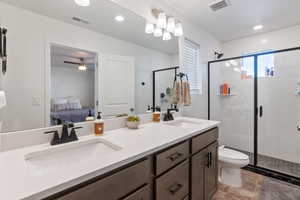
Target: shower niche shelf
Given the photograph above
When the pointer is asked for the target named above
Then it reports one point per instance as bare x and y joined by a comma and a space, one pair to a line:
226, 95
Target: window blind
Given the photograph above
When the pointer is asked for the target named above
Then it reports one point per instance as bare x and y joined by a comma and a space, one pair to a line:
191, 65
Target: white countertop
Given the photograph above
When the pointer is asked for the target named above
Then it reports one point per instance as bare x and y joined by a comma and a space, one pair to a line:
19, 180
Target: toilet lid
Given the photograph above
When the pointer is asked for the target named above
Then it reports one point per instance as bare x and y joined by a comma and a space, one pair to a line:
232, 154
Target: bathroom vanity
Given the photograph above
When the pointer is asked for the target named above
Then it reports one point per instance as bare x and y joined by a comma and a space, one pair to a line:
158, 161
186, 169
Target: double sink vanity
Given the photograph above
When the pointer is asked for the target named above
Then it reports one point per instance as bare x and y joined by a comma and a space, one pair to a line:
168, 160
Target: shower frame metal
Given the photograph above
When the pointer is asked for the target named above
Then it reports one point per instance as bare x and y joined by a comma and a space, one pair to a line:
154, 79
254, 167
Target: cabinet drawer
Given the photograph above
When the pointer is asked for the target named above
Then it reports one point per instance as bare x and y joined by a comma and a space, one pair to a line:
115, 186
171, 157
173, 185
204, 140
141, 194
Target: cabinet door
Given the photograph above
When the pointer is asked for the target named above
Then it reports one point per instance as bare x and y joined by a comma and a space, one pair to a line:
199, 163
211, 171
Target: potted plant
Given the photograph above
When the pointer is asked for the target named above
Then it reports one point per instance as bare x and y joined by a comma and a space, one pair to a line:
133, 121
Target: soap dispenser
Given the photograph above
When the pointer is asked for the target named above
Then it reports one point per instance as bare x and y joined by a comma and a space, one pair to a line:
89, 117
99, 125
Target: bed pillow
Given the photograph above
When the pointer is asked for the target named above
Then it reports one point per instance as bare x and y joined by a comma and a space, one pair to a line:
74, 103
59, 104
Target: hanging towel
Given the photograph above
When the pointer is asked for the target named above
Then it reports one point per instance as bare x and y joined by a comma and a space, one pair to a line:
186, 94
176, 93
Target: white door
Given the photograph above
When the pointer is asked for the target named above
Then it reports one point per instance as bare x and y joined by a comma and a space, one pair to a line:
116, 84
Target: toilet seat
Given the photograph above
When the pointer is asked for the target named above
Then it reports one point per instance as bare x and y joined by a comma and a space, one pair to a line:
232, 154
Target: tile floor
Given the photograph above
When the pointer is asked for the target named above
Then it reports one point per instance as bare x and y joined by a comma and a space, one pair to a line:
258, 187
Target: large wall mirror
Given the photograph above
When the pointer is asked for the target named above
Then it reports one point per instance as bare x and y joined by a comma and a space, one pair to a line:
65, 62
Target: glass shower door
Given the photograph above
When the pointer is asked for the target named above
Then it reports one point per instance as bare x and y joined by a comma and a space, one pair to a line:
232, 102
278, 98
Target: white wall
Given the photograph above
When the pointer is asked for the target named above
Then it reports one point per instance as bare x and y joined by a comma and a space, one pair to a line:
206, 41
208, 44
29, 38
275, 40
69, 81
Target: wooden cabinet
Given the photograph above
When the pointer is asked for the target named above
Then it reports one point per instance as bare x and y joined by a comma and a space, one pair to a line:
170, 174
174, 185
115, 186
205, 173
141, 194
171, 157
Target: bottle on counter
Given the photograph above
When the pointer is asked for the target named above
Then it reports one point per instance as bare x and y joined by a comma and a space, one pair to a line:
156, 115
99, 125
90, 117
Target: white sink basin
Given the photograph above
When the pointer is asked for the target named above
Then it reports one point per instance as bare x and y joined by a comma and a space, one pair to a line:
183, 123
66, 156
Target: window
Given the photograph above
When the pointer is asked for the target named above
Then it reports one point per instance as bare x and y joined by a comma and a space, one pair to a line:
265, 66
191, 65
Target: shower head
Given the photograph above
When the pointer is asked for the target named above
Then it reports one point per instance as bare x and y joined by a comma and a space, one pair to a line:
218, 55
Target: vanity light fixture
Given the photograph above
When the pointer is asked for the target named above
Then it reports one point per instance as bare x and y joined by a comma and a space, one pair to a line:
83, 2
167, 36
149, 28
162, 20
258, 27
158, 32
178, 30
119, 18
164, 26
171, 25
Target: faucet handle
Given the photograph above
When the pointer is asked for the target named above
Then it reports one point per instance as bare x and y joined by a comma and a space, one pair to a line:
73, 136
55, 140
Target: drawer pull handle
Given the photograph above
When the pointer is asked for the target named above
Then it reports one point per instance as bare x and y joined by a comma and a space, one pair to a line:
175, 188
209, 160
175, 156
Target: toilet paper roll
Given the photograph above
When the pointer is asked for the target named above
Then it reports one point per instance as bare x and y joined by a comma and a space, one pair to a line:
2, 99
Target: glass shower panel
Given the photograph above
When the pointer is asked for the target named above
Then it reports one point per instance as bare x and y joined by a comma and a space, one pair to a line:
279, 112
232, 102
164, 84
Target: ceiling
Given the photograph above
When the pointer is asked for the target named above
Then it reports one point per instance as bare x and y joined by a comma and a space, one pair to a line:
101, 15
237, 21
59, 54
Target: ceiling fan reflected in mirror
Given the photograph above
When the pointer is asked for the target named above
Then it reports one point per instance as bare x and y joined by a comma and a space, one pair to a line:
81, 65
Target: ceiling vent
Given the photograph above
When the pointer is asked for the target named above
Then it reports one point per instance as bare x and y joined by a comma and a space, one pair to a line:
77, 19
219, 4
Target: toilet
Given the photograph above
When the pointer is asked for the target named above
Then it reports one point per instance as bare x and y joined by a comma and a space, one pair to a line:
230, 164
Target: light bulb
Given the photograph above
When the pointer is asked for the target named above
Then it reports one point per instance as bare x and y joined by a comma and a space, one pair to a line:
162, 20
158, 32
119, 18
171, 25
82, 67
178, 30
149, 28
82, 2
167, 35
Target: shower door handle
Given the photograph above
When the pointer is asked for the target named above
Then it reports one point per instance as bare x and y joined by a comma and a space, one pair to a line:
261, 111
298, 128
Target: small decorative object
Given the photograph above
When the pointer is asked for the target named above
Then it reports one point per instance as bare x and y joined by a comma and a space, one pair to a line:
133, 121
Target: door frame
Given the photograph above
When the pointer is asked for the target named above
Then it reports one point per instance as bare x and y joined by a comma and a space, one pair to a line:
47, 75
254, 167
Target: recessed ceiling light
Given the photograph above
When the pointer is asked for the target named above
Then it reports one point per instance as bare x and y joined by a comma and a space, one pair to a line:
82, 2
119, 18
258, 27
